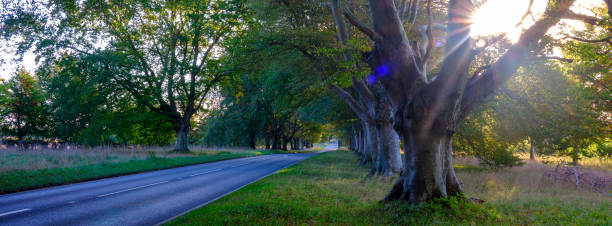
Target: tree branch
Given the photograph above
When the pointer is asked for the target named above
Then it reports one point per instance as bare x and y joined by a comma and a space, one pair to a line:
606, 39
445, 91
566, 60
414, 10
584, 18
363, 89
402, 8
359, 25
479, 89
350, 101
526, 13
609, 5
430, 38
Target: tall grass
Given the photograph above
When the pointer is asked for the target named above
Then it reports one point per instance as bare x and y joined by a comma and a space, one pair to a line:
73, 156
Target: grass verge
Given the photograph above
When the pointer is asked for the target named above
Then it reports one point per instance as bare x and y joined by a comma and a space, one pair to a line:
330, 189
20, 180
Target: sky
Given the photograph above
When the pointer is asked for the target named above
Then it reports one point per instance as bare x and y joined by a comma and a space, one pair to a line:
502, 16
494, 17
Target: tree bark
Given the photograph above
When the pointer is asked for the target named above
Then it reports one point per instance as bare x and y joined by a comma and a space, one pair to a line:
353, 140
181, 128
532, 149
252, 142
429, 170
389, 159
370, 143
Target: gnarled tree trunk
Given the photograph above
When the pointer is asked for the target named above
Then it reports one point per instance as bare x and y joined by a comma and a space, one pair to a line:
428, 171
182, 129
389, 158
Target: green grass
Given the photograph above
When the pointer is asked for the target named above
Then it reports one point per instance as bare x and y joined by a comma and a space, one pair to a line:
330, 189
13, 180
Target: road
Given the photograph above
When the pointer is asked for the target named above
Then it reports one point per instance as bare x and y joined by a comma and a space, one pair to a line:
140, 199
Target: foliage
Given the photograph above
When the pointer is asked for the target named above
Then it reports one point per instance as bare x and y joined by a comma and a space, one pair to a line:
273, 95
164, 54
543, 105
23, 109
91, 110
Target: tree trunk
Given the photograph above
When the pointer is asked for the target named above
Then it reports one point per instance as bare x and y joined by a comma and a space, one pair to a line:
389, 158
181, 128
284, 144
352, 142
252, 142
428, 171
276, 142
370, 143
20, 145
267, 140
532, 150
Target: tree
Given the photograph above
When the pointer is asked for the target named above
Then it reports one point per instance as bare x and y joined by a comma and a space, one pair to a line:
23, 107
164, 53
304, 30
428, 110
268, 98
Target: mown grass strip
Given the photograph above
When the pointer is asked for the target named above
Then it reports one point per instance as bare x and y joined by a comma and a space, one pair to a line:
20, 180
330, 189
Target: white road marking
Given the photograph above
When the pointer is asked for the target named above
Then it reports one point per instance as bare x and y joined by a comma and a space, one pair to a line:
193, 175
72, 202
130, 189
13, 212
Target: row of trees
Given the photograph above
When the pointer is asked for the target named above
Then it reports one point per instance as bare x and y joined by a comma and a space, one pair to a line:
267, 73
391, 74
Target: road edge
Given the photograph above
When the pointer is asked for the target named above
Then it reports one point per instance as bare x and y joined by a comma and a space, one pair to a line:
232, 191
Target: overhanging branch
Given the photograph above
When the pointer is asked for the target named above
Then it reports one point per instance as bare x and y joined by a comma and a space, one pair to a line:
606, 39
584, 18
360, 25
479, 89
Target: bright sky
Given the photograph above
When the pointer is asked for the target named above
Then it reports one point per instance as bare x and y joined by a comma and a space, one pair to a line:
9, 67
494, 17
501, 16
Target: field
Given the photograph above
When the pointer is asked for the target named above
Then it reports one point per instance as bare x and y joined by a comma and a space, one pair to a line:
23, 170
330, 189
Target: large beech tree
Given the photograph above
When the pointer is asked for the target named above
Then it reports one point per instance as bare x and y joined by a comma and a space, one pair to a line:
428, 108
161, 51
377, 140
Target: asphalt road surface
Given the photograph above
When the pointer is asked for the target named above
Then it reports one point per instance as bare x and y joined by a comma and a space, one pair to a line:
140, 199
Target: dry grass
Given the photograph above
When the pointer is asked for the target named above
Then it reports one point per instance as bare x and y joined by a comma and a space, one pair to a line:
525, 182
73, 156
524, 194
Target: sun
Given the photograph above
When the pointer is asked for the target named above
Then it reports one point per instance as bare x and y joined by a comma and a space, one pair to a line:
504, 16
